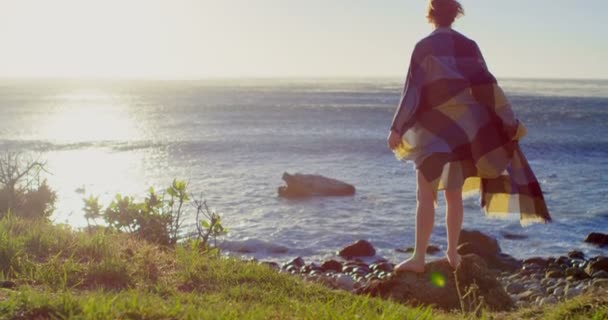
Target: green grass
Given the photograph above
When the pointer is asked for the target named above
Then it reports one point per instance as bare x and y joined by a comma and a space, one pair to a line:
66, 274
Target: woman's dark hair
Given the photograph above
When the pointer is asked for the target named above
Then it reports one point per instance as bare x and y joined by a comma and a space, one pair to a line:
443, 12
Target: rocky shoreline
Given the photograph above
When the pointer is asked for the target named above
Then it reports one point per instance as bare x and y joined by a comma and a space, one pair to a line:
501, 281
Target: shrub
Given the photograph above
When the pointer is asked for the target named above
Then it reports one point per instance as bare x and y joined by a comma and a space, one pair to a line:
158, 218
21, 190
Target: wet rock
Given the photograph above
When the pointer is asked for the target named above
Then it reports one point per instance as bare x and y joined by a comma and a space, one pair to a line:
295, 262
310, 268
513, 236
360, 248
576, 254
437, 286
331, 265
307, 185
381, 267
598, 239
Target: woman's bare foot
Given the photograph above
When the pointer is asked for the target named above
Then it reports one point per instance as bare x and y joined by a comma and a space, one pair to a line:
453, 258
412, 264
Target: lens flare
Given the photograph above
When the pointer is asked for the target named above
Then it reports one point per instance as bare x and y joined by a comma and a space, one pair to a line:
438, 280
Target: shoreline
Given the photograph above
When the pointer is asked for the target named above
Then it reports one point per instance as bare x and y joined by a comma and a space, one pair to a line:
536, 281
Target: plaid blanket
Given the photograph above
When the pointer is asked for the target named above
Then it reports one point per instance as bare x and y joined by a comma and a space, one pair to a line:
459, 129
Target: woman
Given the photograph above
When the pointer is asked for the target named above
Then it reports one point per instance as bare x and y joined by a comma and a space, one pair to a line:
456, 125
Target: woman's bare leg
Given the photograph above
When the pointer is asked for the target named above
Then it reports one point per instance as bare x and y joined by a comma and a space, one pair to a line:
425, 218
453, 223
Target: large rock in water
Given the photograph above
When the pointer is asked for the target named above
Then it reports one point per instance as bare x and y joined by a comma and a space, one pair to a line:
360, 248
437, 286
308, 185
598, 239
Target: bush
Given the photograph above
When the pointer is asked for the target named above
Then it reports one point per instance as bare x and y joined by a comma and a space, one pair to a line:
21, 190
158, 218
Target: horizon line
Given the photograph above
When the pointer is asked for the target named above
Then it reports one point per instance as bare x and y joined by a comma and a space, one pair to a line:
259, 78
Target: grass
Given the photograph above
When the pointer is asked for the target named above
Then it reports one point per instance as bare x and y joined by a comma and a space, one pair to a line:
62, 273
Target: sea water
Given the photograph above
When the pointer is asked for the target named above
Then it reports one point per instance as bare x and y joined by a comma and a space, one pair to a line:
231, 140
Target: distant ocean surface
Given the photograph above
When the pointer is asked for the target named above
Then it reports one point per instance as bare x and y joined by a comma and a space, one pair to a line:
233, 139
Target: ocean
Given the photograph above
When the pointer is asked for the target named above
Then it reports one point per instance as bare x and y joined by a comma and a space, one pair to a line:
231, 140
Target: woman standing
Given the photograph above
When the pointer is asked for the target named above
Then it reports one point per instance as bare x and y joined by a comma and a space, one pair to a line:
455, 123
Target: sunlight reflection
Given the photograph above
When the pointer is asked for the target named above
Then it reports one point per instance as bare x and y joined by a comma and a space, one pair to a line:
89, 116
77, 174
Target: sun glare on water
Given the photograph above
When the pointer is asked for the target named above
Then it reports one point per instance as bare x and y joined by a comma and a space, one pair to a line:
89, 116
87, 126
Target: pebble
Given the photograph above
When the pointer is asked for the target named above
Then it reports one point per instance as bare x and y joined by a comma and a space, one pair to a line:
345, 282
515, 288
559, 291
548, 300
572, 292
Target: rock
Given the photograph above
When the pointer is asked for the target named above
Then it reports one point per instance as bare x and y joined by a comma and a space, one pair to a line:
331, 265
515, 288
576, 273
576, 254
295, 262
548, 300
345, 282
498, 260
600, 275
559, 291
360, 248
437, 286
271, 265
597, 264
513, 236
528, 295
307, 185
598, 239
541, 262
572, 292
381, 267
600, 283
554, 274
483, 242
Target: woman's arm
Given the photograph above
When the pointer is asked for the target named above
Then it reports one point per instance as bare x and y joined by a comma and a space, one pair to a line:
410, 97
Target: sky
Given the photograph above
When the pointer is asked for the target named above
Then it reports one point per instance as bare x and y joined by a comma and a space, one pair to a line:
196, 39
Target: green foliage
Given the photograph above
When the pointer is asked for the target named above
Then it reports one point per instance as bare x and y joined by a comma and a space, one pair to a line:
158, 218
92, 209
21, 190
208, 224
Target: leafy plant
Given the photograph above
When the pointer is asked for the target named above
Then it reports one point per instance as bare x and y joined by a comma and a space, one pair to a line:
208, 223
158, 218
